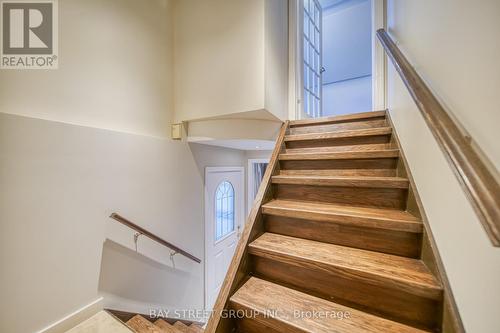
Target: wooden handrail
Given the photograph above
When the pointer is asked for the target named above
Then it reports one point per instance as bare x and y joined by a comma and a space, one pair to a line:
479, 183
152, 236
238, 268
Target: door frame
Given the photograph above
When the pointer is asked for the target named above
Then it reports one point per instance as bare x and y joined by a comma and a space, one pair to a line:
379, 61
295, 62
296, 83
241, 218
251, 180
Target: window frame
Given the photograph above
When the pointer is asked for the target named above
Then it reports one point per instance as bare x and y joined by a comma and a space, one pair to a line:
224, 236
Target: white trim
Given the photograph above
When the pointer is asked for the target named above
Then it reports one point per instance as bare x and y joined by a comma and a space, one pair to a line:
379, 61
299, 35
74, 318
312, 110
294, 63
251, 180
206, 210
320, 114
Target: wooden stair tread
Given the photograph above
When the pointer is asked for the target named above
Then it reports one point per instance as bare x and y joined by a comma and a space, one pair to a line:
343, 181
409, 275
181, 327
195, 328
141, 325
336, 119
330, 224
264, 297
339, 134
390, 219
166, 327
335, 155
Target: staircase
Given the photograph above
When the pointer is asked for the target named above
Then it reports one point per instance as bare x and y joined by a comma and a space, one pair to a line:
141, 325
336, 241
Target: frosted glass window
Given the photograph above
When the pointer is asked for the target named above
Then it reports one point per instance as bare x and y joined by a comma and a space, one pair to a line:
312, 58
224, 210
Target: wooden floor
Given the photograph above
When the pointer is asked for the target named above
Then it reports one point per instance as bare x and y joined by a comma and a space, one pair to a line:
336, 242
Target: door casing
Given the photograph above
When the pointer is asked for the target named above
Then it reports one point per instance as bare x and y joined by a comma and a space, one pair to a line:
296, 83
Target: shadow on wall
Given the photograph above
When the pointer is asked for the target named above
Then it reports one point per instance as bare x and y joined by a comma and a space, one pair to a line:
136, 281
203, 156
126, 274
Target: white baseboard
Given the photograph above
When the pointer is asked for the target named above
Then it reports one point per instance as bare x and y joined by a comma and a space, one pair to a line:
74, 318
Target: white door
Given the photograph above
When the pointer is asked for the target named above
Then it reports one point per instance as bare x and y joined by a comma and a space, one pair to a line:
311, 55
224, 216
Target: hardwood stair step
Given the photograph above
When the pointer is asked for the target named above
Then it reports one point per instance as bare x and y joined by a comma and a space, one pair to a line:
181, 327
377, 167
165, 326
263, 297
339, 134
380, 218
342, 181
336, 155
400, 243
141, 325
364, 194
336, 119
196, 328
335, 149
339, 126
408, 275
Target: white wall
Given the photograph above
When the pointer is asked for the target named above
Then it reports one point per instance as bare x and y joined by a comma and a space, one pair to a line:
230, 57
226, 129
115, 69
276, 58
347, 40
346, 97
219, 57
70, 154
450, 42
347, 58
59, 185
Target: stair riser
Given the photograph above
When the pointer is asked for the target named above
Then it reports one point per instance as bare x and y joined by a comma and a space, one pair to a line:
344, 155
349, 125
360, 148
350, 290
387, 241
254, 326
384, 167
339, 142
340, 118
363, 197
